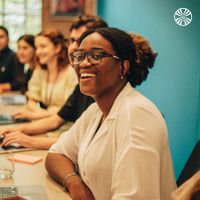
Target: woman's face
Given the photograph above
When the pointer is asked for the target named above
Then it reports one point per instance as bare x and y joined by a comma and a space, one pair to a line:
46, 51
25, 52
100, 79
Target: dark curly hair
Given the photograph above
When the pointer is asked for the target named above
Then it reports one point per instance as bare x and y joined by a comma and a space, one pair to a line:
90, 21
56, 37
145, 57
126, 49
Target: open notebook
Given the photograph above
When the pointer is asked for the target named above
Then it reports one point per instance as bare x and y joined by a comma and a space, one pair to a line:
28, 192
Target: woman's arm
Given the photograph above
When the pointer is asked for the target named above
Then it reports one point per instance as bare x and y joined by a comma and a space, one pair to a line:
28, 141
63, 172
37, 126
43, 125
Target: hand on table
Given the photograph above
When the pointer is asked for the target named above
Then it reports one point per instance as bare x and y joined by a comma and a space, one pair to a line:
78, 189
19, 138
24, 114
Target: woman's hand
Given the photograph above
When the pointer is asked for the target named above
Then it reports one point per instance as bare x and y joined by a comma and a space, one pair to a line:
78, 189
24, 114
18, 137
188, 190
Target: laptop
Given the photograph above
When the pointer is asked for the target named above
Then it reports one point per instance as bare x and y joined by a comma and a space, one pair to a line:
28, 192
13, 99
8, 119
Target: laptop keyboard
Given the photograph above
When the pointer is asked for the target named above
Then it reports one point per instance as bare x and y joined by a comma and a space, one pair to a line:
8, 191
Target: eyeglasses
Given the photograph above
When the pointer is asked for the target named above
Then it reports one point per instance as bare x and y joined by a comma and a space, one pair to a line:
94, 56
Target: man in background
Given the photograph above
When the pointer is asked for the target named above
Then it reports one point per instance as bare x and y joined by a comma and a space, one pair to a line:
8, 64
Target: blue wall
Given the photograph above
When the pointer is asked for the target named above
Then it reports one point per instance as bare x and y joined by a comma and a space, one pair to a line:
174, 82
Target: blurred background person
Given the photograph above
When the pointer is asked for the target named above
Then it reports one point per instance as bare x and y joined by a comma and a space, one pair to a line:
26, 56
53, 82
8, 64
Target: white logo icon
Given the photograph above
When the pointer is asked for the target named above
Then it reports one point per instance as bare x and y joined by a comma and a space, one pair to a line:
183, 16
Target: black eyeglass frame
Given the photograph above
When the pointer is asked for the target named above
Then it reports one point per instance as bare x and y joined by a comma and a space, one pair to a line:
103, 54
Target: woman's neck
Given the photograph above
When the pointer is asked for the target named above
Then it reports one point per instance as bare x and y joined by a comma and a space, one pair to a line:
33, 63
106, 101
52, 67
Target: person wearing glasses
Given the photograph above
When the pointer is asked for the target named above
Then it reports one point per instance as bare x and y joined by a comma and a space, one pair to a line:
118, 148
71, 110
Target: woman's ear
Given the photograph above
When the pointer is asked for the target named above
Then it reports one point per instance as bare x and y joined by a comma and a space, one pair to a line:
58, 48
126, 65
124, 68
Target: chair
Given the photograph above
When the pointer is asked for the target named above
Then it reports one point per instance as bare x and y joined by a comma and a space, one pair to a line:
192, 165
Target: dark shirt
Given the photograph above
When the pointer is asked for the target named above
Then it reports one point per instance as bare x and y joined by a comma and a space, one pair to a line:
75, 105
27, 77
8, 68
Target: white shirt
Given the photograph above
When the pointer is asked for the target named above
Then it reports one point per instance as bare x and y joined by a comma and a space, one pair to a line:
128, 157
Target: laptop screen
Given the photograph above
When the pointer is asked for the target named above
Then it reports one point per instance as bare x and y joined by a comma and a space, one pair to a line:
29, 192
13, 99
8, 119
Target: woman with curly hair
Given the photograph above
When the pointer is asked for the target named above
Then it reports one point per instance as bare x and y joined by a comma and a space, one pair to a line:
118, 148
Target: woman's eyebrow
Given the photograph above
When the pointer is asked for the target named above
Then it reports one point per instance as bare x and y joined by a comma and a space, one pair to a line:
96, 48
92, 49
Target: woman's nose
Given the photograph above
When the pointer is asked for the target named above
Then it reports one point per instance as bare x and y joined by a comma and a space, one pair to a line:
85, 62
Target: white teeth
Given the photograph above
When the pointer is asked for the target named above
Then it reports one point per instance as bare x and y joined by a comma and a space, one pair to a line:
84, 75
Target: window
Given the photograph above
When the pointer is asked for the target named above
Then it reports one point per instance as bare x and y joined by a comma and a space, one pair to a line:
20, 17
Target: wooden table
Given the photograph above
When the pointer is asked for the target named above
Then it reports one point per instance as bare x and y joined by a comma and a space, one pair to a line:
36, 174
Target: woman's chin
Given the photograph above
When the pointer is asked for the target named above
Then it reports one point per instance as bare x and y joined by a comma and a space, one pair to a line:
87, 91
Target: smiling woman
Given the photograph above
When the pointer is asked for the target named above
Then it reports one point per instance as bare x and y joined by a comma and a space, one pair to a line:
54, 77
124, 145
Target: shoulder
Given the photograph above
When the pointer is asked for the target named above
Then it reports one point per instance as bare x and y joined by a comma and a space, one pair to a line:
39, 70
11, 52
142, 120
39, 74
134, 101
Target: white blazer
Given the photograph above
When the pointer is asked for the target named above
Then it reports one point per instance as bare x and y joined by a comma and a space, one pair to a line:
128, 157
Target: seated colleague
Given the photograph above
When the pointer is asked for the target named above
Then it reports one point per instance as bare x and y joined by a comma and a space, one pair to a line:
120, 143
26, 56
53, 82
73, 107
190, 190
8, 64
